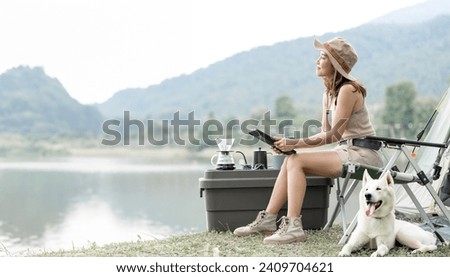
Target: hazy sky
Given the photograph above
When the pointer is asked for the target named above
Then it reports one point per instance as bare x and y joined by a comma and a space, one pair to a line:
96, 48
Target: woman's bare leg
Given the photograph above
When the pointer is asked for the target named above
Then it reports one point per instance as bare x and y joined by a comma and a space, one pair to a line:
279, 192
290, 185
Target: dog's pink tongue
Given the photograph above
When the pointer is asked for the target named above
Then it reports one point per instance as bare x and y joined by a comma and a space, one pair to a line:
370, 209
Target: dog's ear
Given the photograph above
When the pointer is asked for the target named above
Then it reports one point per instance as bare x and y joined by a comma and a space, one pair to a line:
389, 179
366, 177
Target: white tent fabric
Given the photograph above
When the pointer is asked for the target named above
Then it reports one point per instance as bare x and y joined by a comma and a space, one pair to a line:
426, 157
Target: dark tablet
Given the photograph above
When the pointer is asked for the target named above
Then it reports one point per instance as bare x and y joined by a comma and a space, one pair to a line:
268, 139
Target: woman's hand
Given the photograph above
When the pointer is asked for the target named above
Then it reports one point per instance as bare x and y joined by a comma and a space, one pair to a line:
284, 145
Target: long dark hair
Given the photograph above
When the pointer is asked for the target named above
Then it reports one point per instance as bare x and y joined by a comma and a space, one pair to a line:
333, 86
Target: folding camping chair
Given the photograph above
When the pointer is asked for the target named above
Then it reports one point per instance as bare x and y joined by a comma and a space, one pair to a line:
354, 172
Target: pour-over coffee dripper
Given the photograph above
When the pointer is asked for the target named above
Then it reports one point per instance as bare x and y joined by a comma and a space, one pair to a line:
225, 160
225, 143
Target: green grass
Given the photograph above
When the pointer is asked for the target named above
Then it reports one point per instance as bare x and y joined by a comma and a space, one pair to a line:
225, 244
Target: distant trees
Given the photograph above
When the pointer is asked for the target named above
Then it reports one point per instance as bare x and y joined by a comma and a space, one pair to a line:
398, 113
298, 122
404, 114
284, 108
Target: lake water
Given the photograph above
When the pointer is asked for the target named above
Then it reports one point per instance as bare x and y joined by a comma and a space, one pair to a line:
65, 203
69, 203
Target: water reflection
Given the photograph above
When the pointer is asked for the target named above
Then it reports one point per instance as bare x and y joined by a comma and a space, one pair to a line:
66, 203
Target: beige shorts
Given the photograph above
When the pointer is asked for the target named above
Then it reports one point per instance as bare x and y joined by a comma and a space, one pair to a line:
356, 154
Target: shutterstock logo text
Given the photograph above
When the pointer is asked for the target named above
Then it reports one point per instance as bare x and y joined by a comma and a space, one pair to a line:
184, 130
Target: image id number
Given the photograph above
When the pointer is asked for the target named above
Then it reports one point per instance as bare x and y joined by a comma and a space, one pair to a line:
295, 267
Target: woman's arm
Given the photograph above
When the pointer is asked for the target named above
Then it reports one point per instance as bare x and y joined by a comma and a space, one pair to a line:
325, 106
346, 103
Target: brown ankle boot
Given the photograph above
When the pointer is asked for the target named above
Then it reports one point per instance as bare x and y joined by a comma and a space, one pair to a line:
291, 230
264, 223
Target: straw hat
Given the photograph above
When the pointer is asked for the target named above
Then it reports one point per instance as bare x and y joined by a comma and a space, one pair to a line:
341, 54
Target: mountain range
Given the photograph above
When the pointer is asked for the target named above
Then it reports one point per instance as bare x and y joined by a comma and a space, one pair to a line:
390, 49
251, 80
415, 14
34, 103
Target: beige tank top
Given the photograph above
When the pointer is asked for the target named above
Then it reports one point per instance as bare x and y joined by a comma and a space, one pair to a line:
359, 124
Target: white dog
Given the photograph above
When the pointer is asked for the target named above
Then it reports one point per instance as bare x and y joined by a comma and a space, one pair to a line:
376, 220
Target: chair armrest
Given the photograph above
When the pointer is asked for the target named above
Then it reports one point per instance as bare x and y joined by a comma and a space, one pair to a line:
395, 141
